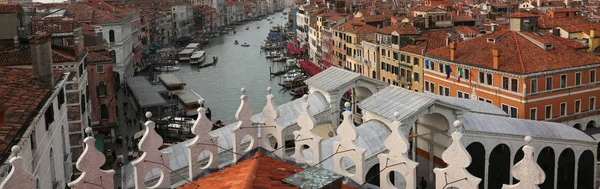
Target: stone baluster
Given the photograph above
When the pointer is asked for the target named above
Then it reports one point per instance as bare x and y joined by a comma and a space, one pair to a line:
527, 171
272, 127
202, 142
347, 147
458, 159
305, 137
151, 158
89, 164
396, 159
18, 177
243, 128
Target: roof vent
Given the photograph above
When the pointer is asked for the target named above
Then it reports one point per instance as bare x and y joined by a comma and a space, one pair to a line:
491, 40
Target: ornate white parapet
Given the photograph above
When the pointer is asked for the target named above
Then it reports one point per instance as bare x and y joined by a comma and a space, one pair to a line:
89, 164
272, 127
18, 177
458, 159
396, 159
202, 142
243, 128
305, 137
151, 158
527, 171
346, 147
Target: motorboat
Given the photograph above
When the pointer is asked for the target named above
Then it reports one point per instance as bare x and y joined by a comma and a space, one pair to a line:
236, 42
271, 22
224, 32
247, 28
245, 45
268, 19
198, 57
257, 27
167, 68
280, 59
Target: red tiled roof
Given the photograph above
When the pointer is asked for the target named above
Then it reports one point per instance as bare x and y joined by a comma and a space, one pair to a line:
564, 10
20, 98
4, 9
356, 26
518, 54
523, 15
97, 57
431, 40
400, 28
548, 22
258, 172
466, 30
22, 56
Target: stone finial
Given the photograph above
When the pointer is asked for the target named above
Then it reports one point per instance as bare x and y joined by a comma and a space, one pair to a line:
89, 164
201, 102
348, 132
527, 171
398, 145
243, 127
151, 158
18, 177
458, 159
272, 127
269, 90
306, 136
202, 142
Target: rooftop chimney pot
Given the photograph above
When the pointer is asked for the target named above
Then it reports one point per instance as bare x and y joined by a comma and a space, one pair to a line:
452, 50
41, 59
496, 55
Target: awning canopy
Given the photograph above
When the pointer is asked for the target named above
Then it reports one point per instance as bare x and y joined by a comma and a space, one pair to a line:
311, 68
159, 44
147, 52
292, 49
296, 41
326, 64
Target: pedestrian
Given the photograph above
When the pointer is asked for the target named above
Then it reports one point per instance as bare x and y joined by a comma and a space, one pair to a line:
423, 183
120, 141
132, 140
126, 140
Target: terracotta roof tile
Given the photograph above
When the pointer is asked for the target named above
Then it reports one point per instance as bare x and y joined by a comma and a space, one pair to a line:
523, 15
429, 40
574, 9
400, 28
546, 22
22, 55
20, 99
4, 9
258, 172
518, 54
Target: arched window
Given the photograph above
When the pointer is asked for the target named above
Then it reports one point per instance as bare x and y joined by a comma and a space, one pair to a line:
101, 87
111, 36
103, 112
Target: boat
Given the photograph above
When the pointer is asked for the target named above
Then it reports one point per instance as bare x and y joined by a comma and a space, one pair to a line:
247, 28
224, 32
271, 22
236, 42
280, 59
167, 68
186, 54
284, 13
214, 63
299, 91
197, 58
245, 45
257, 27
273, 55
268, 19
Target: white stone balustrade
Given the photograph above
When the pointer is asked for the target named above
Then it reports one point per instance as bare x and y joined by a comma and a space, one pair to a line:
458, 159
396, 159
151, 158
306, 137
89, 164
244, 128
203, 141
272, 127
18, 177
527, 171
347, 147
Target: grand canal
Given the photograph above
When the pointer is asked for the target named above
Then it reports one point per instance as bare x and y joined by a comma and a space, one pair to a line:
237, 67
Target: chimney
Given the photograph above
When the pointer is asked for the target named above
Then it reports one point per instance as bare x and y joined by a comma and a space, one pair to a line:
16, 41
495, 55
539, 3
592, 32
493, 27
447, 40
41, 59
452, 50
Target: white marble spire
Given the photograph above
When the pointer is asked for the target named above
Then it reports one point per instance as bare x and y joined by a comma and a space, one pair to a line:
243, 128
347, 147
527, 171
89, 164
151, 158
396, 159
458, 159
203, 141
18, 177
272, 127
306, 136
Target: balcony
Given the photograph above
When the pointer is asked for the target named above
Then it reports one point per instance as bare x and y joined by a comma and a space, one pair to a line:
404, 80
358, 58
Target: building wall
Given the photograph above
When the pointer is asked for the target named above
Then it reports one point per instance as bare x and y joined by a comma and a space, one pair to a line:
122, 47
107, 77
11, 25
371, 54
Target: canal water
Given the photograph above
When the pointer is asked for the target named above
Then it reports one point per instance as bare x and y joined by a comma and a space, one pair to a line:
237, 67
